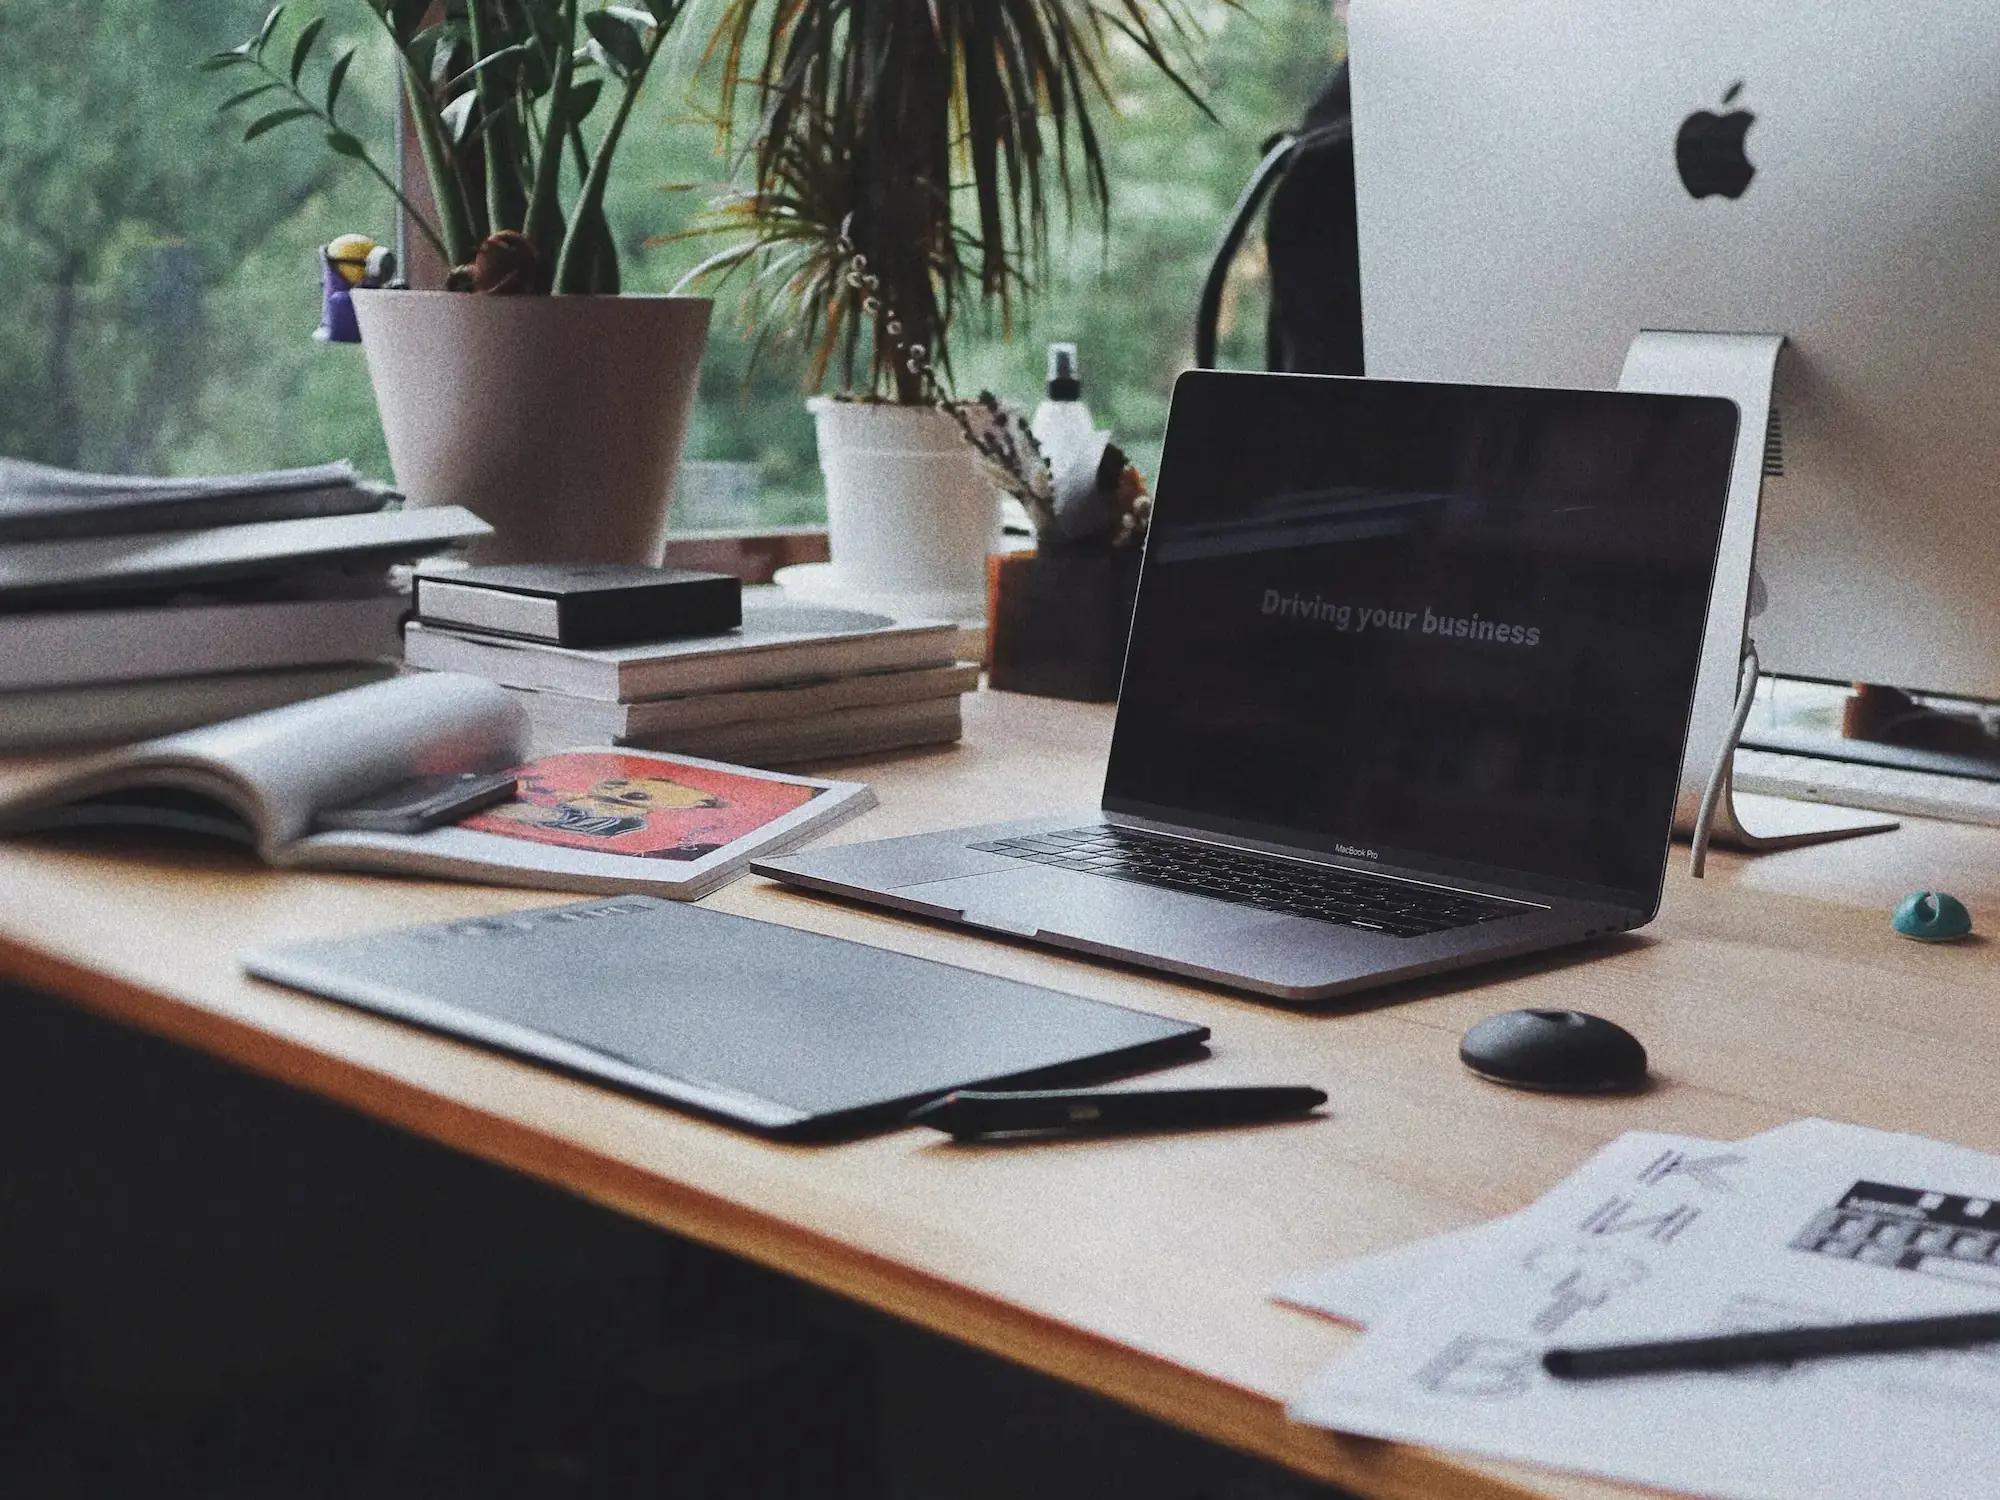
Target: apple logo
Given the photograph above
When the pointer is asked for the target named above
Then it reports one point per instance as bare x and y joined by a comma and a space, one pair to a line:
1709, 150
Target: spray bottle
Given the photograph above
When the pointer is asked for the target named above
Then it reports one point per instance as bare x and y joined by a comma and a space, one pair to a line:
1062, 424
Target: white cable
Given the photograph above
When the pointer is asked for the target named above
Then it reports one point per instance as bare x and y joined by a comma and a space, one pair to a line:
1746, 694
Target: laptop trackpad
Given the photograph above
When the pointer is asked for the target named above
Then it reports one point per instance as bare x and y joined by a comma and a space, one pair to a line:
1034, 899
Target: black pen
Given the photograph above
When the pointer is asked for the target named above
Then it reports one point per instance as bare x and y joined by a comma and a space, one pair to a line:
970, 1113
1766, 1345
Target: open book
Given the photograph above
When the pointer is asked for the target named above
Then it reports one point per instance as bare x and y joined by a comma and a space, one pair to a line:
582, 820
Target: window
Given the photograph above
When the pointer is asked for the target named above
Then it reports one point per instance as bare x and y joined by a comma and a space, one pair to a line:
163, 283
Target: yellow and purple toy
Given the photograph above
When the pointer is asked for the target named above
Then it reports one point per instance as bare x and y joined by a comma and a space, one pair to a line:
348, 262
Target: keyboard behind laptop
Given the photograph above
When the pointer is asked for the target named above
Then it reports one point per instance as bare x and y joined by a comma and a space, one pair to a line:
1914, 793
1375, 903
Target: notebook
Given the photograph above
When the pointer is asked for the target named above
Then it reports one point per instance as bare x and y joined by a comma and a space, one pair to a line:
790, 1033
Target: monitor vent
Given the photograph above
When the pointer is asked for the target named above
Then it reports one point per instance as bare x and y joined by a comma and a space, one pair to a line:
1774, 446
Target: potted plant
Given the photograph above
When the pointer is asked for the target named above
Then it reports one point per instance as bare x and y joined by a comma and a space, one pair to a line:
528, 390
906, 157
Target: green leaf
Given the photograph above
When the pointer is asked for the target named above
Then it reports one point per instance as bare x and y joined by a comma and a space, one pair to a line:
617, 42
422, 49
492, 59
488, 121
442, 52
336, 76
645, 20
273, 120
342, 144
537, 75
583, 97
664, 11
243, 98
220, 61
457, 116
270, 25
302, 48
405, 16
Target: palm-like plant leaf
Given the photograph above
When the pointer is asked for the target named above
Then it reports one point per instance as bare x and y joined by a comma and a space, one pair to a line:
875, 118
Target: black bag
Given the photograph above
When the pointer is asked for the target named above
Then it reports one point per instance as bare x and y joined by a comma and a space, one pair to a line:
1311, 240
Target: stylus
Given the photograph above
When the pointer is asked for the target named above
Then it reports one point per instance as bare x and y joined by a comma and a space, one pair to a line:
969, 1113
1764, 1346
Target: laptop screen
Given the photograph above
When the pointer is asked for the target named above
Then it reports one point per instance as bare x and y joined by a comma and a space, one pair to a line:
1453, 627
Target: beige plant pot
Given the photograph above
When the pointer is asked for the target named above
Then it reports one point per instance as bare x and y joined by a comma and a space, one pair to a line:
558, 420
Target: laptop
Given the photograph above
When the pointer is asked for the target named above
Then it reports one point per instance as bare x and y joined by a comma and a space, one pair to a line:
1407, 690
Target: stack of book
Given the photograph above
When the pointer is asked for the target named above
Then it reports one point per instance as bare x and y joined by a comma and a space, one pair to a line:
790, 683
131, 607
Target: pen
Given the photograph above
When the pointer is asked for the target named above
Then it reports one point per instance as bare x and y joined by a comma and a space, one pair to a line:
969, 1113
1727, 1350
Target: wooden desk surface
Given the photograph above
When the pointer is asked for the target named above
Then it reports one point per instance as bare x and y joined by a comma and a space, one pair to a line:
1135, 1268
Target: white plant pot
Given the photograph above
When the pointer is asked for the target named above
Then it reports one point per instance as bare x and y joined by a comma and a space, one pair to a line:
909, 508
558, 420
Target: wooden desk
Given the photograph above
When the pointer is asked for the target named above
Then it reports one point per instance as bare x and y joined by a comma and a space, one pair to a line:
1135, 1268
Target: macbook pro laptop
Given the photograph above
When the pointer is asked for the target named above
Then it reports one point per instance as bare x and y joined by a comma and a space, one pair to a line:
1407, 689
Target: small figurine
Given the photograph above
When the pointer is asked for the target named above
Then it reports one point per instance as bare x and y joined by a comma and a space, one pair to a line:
350, 261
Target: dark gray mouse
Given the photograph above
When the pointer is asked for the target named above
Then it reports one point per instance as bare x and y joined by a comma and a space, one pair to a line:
1562, 1051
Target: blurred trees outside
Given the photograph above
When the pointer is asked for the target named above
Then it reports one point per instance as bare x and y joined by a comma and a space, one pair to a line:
164, 283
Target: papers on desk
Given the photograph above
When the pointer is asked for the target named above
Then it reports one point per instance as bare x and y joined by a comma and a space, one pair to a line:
1663, 1236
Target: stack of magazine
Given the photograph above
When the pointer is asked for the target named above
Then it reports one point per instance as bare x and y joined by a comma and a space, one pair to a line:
133, 606
793, 683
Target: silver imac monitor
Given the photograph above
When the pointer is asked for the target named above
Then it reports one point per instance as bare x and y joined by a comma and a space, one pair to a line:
1539, 180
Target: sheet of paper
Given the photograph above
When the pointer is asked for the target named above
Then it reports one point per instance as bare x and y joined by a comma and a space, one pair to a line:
1366, 1288
1663, 1237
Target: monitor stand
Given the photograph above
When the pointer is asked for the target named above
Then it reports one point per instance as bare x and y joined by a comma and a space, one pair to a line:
1742, 367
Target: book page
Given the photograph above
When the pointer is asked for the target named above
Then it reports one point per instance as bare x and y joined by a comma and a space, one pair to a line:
276, 770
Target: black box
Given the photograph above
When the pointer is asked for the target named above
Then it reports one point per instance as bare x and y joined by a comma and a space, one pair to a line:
581, 604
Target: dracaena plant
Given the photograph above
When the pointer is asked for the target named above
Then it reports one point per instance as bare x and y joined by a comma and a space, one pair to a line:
507, 99
905, 158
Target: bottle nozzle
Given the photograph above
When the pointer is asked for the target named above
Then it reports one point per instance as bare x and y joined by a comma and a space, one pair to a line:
1064, 382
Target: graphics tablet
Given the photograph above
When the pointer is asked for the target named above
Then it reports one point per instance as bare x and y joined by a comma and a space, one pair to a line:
788, 1032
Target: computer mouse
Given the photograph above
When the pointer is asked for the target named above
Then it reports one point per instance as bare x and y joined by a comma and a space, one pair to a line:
1561, 1051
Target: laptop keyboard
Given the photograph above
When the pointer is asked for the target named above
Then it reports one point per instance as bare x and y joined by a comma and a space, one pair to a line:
1395, 907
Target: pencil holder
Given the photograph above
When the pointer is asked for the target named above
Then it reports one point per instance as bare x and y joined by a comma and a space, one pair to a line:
1059, 621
